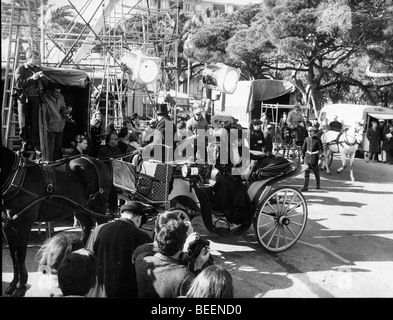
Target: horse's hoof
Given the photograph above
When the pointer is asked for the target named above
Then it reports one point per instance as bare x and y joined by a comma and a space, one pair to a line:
10, 290
20, 292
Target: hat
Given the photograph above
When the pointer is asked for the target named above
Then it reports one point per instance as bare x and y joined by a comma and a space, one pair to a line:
311, 128
162, 109
381, 120
136, 207
256, 122
135, 115
197, 111
269, 126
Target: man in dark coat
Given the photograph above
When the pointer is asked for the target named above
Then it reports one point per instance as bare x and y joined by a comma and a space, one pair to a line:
312, 149
113, 245
163, 135
257, 139
30, 83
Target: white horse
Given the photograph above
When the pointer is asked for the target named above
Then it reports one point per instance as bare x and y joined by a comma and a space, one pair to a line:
346, 145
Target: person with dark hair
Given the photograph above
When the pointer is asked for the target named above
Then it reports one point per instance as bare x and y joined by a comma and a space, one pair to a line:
96, 129
77, 273
124, 143
81, 146
113, 245
213, 282
30, 83
52, 252
162, 219
162, 275
336, 125
111, 147
257, 138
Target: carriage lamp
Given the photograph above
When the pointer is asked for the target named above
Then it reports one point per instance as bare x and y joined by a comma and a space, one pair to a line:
192, 170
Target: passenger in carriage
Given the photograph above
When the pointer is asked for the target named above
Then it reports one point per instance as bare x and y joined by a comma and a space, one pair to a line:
96, 131
111, 148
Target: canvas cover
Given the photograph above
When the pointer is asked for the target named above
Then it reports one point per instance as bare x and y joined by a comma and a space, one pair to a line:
67, 77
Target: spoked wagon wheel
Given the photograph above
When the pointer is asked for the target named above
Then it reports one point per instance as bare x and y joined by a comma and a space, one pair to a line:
281, 219
185, 203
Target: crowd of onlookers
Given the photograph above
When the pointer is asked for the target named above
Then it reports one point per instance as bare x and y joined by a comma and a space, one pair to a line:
122, 260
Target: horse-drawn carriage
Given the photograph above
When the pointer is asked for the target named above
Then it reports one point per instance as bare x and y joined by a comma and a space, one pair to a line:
229, 201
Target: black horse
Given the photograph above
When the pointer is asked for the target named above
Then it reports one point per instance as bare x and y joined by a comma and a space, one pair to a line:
34, 192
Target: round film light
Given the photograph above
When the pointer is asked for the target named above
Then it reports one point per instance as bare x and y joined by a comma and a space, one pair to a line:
230, 81
148, 71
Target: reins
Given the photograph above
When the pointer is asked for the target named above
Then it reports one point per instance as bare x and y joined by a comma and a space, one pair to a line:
16, 180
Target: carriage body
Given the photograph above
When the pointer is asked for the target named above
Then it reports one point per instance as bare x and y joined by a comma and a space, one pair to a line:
159, 186
278, 213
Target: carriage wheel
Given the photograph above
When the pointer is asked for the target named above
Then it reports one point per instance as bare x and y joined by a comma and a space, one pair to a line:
181, 214
187, 204
281, 219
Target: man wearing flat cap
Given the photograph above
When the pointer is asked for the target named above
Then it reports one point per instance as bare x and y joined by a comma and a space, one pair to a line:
113, 244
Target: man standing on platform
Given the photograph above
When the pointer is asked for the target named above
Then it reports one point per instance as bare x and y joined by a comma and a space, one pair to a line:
30, 84
56, 112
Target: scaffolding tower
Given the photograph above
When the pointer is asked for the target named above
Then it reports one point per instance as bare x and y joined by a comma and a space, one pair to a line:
123, 26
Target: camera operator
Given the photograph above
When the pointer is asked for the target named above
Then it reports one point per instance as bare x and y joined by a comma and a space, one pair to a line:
30, 85
163, 275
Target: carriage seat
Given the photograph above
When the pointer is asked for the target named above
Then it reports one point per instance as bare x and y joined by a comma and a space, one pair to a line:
270, 167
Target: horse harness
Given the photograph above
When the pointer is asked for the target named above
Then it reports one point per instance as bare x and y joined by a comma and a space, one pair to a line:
14, 185
340, 143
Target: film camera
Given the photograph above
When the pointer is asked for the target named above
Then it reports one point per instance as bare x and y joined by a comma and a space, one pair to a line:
195, 247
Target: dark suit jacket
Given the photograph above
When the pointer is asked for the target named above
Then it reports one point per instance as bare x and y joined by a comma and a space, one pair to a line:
113, 247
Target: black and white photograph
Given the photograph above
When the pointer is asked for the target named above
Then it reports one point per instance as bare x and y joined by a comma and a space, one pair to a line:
159, 151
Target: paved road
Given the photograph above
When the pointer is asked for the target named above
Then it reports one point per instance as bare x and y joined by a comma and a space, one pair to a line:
345, 250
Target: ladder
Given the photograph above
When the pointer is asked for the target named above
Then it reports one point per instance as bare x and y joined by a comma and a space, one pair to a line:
23, 29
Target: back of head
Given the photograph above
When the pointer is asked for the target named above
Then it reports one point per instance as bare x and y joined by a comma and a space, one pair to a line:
213, 282
162, 220
123, 132
56, 248
171, 237
77, 273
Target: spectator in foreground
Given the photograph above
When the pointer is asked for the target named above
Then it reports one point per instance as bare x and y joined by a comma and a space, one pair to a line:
53, 251
113, 244
77, 273
163, 275
213, 282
